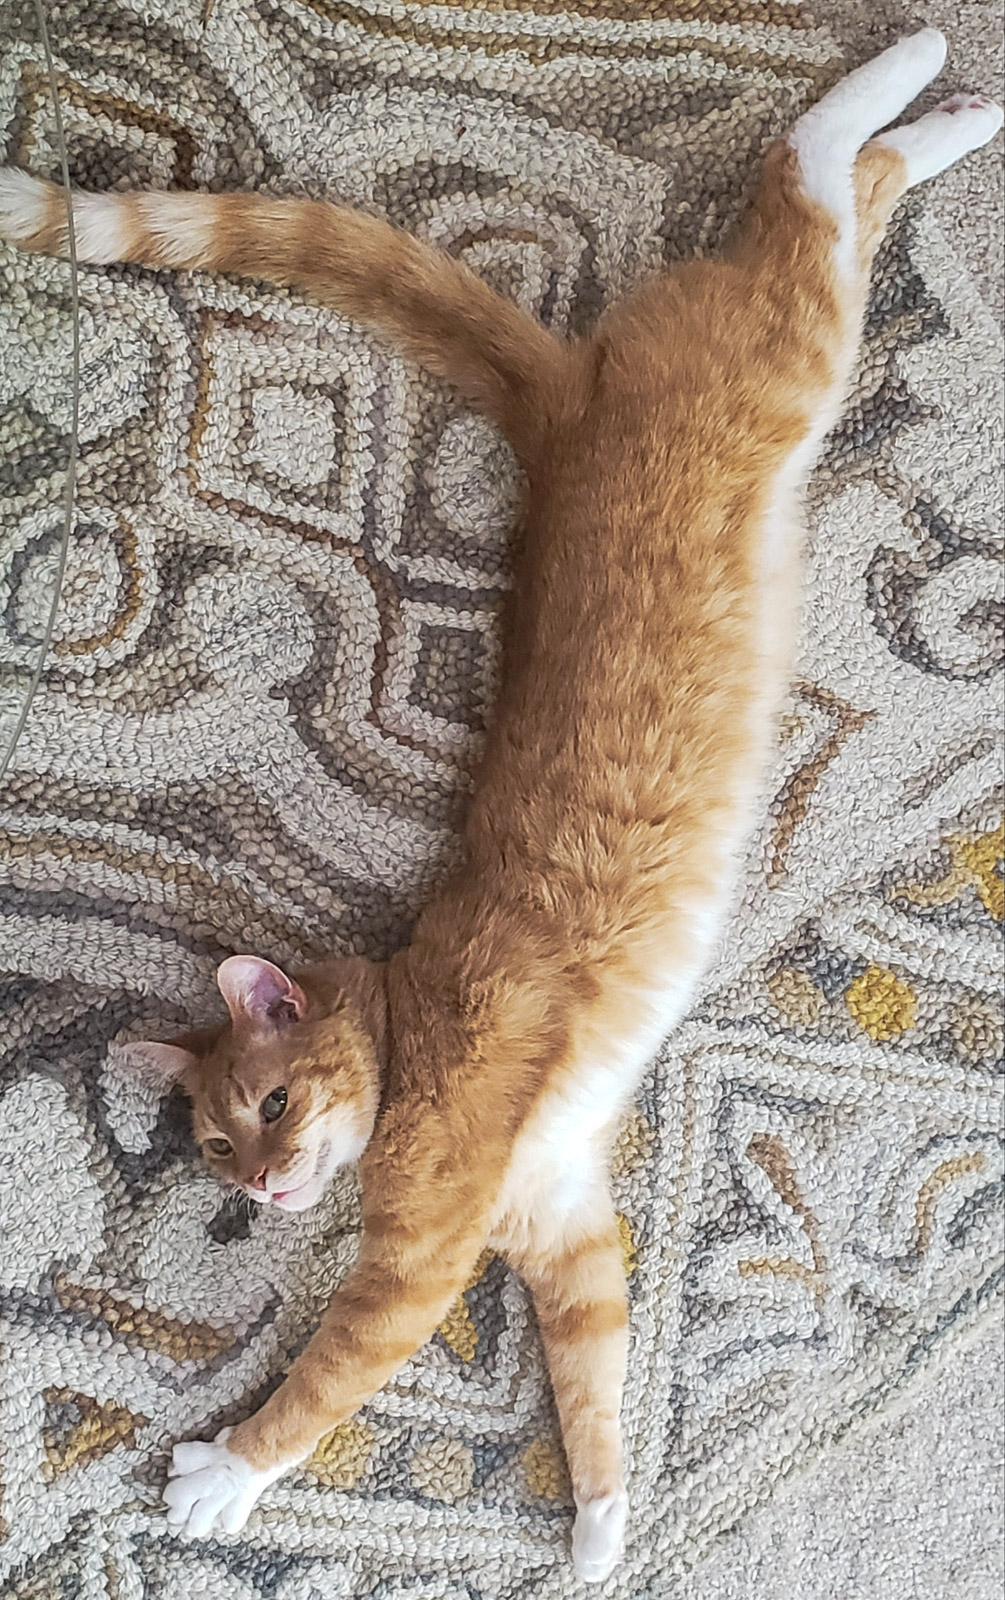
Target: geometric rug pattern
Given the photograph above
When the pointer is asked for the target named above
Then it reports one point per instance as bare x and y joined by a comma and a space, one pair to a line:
274, 658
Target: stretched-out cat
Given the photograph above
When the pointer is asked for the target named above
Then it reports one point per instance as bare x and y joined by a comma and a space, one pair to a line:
479, 1074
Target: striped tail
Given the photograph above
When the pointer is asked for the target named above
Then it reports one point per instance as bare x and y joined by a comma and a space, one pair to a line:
436, 311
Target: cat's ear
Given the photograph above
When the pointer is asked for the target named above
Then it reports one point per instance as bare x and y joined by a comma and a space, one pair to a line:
160, 1064
258, 993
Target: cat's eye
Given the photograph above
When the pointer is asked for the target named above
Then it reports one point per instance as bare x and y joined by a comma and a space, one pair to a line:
274, 1105
219, 1147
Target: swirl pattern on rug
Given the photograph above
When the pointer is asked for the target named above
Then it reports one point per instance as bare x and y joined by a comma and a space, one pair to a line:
274, 658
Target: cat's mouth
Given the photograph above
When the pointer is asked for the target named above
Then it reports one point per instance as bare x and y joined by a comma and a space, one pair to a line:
281, 1195
299, 1196
335, 1151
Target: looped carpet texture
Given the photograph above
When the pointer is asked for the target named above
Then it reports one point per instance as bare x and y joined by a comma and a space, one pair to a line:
273, 661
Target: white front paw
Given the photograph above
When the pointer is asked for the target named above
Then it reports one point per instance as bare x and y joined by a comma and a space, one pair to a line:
211, 1487
598, 1535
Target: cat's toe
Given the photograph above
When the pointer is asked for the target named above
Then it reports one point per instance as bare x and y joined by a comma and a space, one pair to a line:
190, 1456
982, 114
194, 1499
598, 1536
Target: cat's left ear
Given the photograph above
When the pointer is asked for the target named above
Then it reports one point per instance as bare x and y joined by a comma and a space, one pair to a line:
161, 1064
258, 993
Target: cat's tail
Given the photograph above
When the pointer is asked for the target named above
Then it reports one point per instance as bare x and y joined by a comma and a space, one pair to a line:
443, 316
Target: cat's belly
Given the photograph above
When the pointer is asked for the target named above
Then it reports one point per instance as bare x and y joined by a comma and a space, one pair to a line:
558, 1169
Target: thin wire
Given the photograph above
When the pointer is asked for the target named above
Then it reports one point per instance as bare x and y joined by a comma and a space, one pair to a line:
71, 464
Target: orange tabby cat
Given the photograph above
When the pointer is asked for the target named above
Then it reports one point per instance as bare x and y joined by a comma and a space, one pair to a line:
479, 1074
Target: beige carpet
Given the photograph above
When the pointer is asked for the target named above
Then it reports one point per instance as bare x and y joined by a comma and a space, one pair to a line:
909, 1510
272, 663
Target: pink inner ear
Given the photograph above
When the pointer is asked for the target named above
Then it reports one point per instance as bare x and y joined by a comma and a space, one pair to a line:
258, 992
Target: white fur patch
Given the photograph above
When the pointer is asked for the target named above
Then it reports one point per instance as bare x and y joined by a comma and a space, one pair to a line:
598, 1536
99, 234
24, 204
211, 1487
945, 135
826, 176
780, 533
183, 226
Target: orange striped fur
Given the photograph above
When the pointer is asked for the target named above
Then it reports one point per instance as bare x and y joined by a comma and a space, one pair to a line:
484, 1067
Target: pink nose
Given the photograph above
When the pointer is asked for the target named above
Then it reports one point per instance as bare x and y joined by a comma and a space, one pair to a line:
258, 1182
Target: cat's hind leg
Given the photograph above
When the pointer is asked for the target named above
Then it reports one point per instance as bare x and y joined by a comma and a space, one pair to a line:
895, 161
827, 138
577, 1278
958, 125
826, 195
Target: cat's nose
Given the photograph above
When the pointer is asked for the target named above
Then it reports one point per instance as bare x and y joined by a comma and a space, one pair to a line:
258, 1182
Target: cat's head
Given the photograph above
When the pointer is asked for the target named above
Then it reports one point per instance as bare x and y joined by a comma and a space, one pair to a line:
286, 1091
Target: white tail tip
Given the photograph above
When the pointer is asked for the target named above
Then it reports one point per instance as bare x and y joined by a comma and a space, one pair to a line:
24, 205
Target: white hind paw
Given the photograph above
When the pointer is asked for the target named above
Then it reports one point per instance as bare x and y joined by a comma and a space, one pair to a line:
874, 93
920, 53
960, 124
981, 116
598, 1536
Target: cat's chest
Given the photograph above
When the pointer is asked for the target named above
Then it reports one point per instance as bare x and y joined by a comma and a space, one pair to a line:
558, 1164
560, 1153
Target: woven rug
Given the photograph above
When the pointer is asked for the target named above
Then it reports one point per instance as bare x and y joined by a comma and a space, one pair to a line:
273, 660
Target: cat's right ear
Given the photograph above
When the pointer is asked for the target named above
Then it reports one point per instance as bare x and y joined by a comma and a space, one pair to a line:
259, 994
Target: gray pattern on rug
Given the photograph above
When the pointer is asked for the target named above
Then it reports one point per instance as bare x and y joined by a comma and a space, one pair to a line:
274, 657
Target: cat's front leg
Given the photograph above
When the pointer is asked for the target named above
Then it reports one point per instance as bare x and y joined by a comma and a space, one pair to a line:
388, 1307
575, 1271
